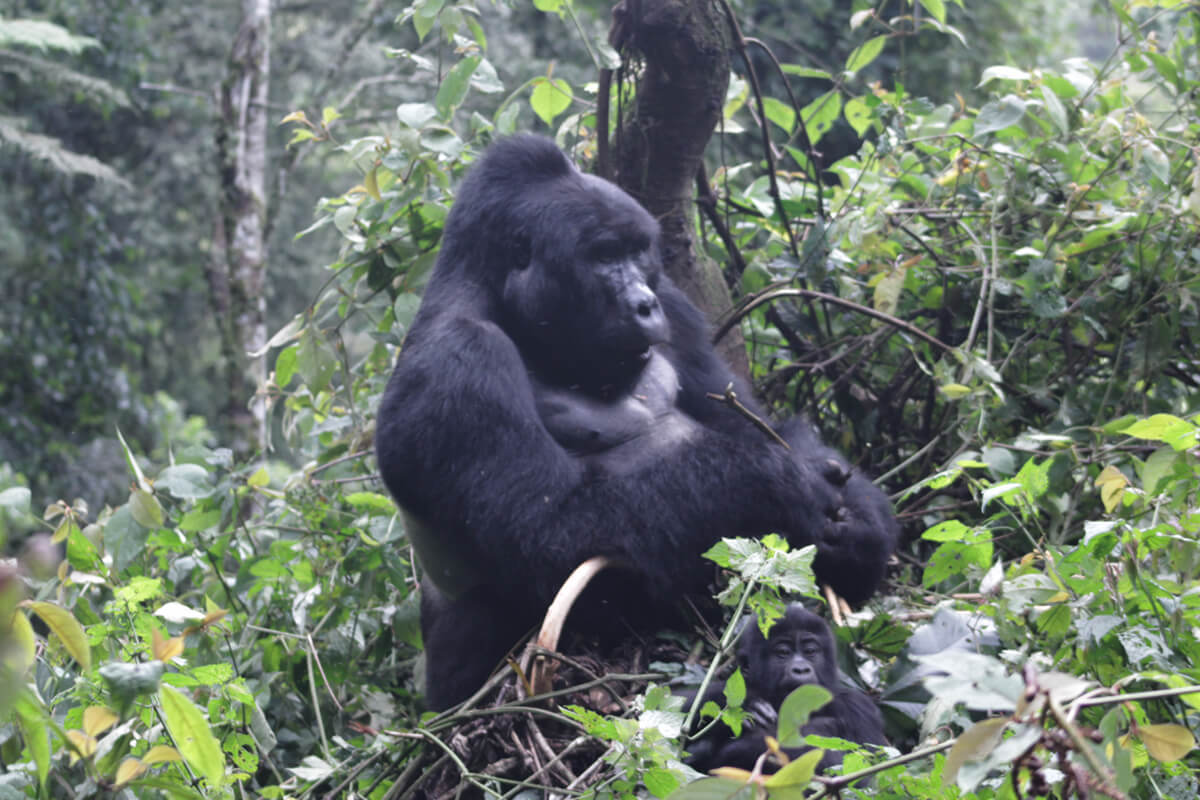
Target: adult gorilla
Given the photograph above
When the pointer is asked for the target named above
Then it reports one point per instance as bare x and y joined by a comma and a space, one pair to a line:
550, 405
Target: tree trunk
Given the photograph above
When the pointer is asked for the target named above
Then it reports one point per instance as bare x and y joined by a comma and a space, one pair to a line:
684, 46
238, 276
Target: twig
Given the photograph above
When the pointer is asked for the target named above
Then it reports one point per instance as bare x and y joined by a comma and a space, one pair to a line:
767, 297
730, 399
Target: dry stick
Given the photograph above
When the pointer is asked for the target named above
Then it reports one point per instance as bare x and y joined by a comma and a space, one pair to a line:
768, 296
730, 399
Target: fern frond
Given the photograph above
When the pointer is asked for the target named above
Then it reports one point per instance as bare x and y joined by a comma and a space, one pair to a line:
29, 68
51, 150
41, 35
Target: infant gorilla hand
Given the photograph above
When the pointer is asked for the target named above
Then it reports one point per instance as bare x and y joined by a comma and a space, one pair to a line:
850, 520
761, 716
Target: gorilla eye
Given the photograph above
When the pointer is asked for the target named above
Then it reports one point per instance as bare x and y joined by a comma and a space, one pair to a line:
519, 252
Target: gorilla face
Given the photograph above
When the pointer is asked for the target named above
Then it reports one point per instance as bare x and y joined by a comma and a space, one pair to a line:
798, 652
580, 302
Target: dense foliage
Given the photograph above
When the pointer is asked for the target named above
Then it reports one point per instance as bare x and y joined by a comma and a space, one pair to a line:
993, 309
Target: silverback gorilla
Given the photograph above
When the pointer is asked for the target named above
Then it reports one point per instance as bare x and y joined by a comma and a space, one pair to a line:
549, 405
797, 652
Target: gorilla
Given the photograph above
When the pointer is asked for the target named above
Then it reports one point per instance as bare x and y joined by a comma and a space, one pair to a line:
549, 405
799, 651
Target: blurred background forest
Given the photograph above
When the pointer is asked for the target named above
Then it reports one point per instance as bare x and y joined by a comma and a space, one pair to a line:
959, 236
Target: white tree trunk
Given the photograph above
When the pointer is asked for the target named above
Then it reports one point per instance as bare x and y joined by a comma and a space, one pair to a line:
240, 249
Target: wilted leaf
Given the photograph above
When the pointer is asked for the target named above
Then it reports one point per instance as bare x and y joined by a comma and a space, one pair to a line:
1111, 482
166, 649
130, 768
83, 745
1167, 742
160, 754
97, 719
974, 744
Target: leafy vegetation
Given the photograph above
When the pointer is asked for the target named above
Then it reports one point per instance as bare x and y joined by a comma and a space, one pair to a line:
995, 307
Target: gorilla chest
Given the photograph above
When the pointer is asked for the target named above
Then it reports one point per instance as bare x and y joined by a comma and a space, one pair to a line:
624, 433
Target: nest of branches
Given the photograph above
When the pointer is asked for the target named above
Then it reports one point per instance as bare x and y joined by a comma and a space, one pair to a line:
508, 737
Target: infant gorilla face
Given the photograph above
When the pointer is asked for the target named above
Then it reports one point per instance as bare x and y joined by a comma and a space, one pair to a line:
799, 651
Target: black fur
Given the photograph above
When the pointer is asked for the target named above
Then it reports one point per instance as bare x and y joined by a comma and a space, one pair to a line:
799, 651
549, 405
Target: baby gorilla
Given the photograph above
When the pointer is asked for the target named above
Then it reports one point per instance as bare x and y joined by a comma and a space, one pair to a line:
798, 652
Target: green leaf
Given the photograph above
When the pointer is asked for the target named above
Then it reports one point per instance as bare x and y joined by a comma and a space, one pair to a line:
795, 711
660, 782
414, 115
371, 502
820, 114
550, 98
145, 509
999, 114
314, 361
715, 789
865, 53
779, 112
797, 773
935, 7
16, 500
285, 366
858, 114
185, 481
62, 623
949, 531
454, 88
124, 538
1178, 433
192, 735
31, 719
735, 689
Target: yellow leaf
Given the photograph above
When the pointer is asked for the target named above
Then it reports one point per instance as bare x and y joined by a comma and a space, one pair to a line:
165, 649
22, 635
732, 773
160, 754
1111, 482
130, 768
83, 746
1167, 742
259, 478
62, 623
295, 116
974, 743
954, 390
97, 719
371, 183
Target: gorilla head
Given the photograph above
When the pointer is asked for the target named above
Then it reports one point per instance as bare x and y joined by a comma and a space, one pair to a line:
573, 261
797, 652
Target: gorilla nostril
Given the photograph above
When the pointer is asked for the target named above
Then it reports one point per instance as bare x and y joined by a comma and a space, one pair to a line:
647, 307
